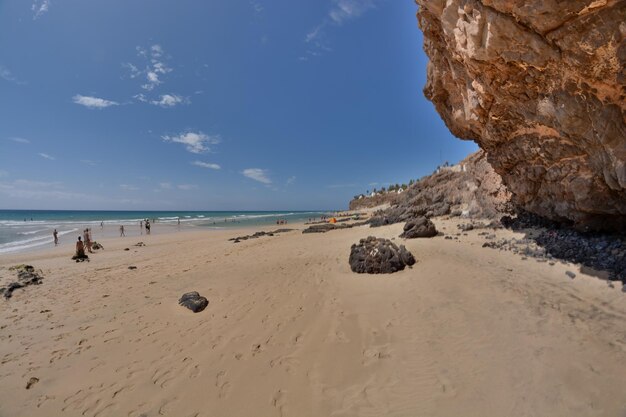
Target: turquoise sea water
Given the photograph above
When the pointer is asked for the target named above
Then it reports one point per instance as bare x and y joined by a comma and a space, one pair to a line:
25, 229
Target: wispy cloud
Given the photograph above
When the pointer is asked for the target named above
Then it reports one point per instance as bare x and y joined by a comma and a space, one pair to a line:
19, 140
7, 75
341, 12
291, 180
128, 187
344, 10
257, 174
46, 156
39, 8
154, 68
256, 6
93, 102
88, 162
168, 100
186, 187
165, 185
195, 142
206, 165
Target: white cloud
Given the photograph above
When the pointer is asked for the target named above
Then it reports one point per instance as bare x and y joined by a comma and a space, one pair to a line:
206, 165
134, 71
93, 102
291, 180
168, 100
187, 186
165, 185
349, 9
39, 8
19, 140
314, 34
88, 162
128, 187
342, 11
46, 156
256, 6
257, 174
7, 75
155, 67
195, 142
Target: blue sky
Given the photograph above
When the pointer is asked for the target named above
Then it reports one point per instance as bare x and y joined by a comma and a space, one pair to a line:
212, 105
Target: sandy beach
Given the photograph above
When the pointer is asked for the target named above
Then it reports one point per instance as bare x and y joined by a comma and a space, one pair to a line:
291, 331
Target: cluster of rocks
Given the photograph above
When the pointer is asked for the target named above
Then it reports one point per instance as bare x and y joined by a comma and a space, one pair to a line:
193, 301
379, 256
326, 227
257, 235
419, 227
26, 275
597, 250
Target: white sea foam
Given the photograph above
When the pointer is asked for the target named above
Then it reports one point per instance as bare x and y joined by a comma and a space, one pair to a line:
30, 243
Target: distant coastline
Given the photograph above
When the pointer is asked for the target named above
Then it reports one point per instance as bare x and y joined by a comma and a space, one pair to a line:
28, 229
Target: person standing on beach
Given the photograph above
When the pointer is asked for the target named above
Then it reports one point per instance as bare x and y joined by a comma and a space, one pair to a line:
147, 227
122, 231
56, 237
101, 225
141, 227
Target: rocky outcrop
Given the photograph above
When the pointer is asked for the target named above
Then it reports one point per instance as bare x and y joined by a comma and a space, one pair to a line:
419, 227
474, 190
540, 85
379, 256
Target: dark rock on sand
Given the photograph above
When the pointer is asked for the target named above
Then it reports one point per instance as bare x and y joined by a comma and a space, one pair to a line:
600, 251
570, 274
257, 235
420, 227
193, 301
26, 276
379, 256
32, 381
326, 227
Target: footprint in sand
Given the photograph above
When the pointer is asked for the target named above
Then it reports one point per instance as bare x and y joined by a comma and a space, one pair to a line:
222, 384
447, 388
278, 402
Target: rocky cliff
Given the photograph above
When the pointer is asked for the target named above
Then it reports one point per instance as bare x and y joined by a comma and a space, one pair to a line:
540, 85
475, 190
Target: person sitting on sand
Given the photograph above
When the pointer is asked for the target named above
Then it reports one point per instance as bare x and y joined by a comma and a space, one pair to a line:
80, 250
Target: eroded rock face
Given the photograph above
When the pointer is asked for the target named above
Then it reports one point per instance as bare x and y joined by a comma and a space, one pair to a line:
540, 85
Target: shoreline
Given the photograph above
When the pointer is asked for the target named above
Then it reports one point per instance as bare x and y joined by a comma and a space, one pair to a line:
466, 331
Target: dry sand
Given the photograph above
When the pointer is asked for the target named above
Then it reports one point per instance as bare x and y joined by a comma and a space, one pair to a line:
291, 331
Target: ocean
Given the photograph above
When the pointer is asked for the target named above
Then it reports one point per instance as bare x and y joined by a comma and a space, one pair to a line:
22, 230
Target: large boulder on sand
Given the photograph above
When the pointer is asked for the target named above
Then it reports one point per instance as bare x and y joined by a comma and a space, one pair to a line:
419, 227
379, 256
